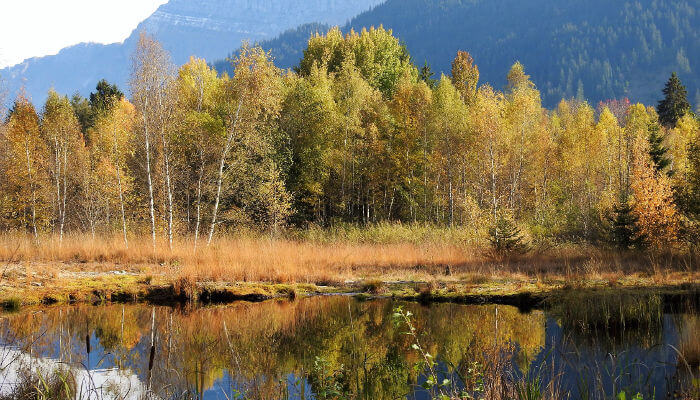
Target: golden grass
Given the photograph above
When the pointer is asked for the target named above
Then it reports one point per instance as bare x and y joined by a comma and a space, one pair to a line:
235, 259
281, 260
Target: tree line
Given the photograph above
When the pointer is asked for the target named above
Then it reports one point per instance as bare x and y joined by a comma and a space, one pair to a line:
355, 134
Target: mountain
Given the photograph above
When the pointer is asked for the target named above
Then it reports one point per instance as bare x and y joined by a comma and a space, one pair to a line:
204, 28
597, 49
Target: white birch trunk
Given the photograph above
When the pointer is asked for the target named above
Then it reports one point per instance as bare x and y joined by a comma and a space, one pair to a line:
224, 154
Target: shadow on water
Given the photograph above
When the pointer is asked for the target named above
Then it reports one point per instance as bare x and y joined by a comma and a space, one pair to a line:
581, 346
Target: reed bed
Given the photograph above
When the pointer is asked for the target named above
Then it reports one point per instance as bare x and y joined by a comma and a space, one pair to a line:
234, 258
394, 254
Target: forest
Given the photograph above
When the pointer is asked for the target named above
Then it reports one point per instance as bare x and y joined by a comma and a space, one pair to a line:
593, 50
356, 135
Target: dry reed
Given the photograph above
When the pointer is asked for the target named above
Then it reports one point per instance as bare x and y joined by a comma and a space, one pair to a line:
259, 258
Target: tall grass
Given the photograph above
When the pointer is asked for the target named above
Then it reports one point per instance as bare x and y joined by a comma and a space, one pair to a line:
57, 384
344, 252
238, 258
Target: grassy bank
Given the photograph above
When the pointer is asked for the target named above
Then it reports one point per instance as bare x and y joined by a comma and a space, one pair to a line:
397, 260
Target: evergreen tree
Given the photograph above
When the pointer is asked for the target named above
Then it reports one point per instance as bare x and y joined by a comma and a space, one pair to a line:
675, 103
105, 96
623, 230
83, 111
506, 238
426, 75
657, 150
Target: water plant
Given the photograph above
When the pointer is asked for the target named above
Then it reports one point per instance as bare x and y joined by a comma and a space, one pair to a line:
12, 304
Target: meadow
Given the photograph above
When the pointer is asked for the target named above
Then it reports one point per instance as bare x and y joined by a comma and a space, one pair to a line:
382, 259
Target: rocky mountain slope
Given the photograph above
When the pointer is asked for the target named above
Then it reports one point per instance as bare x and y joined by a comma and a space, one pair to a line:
204, 28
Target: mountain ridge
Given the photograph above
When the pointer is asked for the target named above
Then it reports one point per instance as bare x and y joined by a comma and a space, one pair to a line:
204, 28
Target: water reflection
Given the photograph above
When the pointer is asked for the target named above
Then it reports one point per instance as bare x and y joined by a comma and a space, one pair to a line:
338, 347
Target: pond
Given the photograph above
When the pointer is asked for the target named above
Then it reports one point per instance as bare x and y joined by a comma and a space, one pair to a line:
579, 346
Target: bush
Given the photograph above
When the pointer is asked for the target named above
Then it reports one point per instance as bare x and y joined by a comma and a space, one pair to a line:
12, 304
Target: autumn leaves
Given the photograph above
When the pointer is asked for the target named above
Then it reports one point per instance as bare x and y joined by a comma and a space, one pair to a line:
355, 135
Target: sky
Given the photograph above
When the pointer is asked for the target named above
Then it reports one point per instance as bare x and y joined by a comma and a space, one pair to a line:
31, 28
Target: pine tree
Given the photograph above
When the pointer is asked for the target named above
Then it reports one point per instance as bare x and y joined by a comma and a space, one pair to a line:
506, 238
657, 150
426, 75
623, 230
105, 96
675, 103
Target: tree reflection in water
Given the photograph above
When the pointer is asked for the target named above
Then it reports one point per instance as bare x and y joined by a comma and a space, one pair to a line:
339, 347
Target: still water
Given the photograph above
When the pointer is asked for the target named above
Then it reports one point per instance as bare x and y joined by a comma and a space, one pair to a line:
341, 347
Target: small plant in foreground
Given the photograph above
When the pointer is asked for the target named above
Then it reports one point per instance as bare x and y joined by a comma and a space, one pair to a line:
427, 365
56, 385
328, 383
623, 396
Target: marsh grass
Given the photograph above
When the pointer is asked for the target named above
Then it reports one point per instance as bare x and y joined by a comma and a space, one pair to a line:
12, 304
389, 252
33, 383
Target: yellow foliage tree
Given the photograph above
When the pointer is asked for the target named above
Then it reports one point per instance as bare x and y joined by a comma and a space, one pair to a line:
26, 172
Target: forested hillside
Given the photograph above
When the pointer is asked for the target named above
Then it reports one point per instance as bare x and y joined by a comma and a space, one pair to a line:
593, 49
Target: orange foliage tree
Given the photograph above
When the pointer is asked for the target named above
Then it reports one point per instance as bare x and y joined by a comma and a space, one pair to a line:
658, 218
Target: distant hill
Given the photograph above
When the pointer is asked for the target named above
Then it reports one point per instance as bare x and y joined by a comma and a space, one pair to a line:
205, 28
597, 49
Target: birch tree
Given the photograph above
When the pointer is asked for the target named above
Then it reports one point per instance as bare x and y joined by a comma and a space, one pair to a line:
151, 78
61, 133
27, 177
113, 132
200, 105
253, 103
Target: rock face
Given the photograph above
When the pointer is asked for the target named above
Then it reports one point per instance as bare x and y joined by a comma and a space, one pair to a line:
213, 28
204, 28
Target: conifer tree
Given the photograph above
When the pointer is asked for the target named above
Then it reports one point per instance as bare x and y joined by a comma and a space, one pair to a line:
623, 230
426, 75
657, 149
675, 103
105, 97
506, 238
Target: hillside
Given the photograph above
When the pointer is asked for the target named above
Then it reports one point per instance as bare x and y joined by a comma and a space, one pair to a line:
594, 48
205, 28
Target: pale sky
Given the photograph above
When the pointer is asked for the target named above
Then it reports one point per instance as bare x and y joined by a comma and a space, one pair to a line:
30, 28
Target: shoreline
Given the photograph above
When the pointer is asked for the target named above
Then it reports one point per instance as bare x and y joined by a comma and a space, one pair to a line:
525, 293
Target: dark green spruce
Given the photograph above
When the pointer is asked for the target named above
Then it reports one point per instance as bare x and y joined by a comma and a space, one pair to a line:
623, 231
675, 102
657, 149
